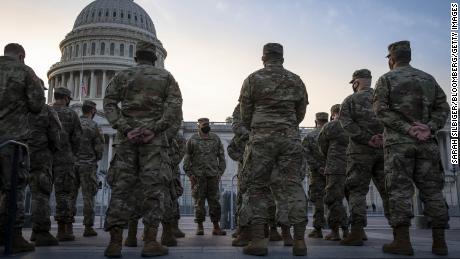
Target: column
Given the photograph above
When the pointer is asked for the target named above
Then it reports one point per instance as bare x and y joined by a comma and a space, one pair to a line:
104, 82
70, 84
93, 85
50, 89
62, 80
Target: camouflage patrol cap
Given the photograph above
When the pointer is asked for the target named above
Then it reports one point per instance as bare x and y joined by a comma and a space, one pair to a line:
89, 103
322, 116
64, 91
360, 73
335, 108
203, 120
145, 46
274, 49
399, 47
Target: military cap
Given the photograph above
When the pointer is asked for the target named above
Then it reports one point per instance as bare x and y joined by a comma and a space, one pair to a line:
273, 49
64, 91
322, 116
89, 103
399, 46
145, 47
360, 73
335, 108
203, 120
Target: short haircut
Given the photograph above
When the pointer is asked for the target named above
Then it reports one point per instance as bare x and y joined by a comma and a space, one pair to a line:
146, 55
14, 48
59, 96
86, 109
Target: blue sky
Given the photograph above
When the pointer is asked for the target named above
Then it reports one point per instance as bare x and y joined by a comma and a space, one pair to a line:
214, 44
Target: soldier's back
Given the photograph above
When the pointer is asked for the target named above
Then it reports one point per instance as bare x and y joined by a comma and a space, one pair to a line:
44, 126
90, 131
67, 117
310, 142
336, 159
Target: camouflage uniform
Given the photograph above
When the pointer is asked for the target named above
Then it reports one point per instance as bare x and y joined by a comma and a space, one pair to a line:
44, 141
64, 161
205, 161
20, 94
177, 153
364, 162
333, 143
150, 98
90, 151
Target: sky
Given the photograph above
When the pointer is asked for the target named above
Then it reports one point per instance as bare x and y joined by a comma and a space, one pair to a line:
213, 45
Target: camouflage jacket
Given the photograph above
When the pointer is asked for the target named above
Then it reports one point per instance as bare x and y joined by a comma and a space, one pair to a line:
149, 98
70, 135
177, 149
204, 156
406, 95
92, 143
333, 142
21, 93
315, 159
241, 136
45, 134
360, 122
273, 98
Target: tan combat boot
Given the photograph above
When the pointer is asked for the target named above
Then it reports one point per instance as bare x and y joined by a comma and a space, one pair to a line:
176, 230
89, 232
167, 237
274, 235
299, 248
364, 235
69, 231
355, 238
286, 233
439, 242
258, 243
62, 234
44, 238
151, 247
316, 233
217, 231
237, 232
113, 250
199, 229
334, 235
131, 239
243, 238
401, 242
19, 244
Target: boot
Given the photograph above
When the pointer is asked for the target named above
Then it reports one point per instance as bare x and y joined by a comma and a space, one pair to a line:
113, 250
299, 248
274, 235
355, 238
151, 246
345, 232
364, 235
266, 231
333, 235
237, 232
401, 243
89, 232
62, 234
200, 229
439, 242
176, 231
44, 238
243, 238
32, 236
316, 233
131, 239
217, 231
20, 244
286, 233
69, 231
258, 243
167, 237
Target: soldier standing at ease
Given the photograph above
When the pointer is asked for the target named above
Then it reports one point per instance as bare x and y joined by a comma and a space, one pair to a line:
64, 163
365, 153
333, 142
204, 164
20, 94
317, 181
273, 103
90, 151
150, 101
412, 107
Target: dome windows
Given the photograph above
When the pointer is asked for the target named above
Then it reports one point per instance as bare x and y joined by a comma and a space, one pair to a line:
122, 15
112, 49
114, 14
131, 51
93, 49
122, 50
77, 50
84, 49
102, 53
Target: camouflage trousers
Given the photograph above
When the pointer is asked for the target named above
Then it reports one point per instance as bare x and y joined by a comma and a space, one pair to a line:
6, 168
334, 193
86, 178
316, 186
64, 189
143, 171
41, 185
263, 152
361, 169
420, 165
206, 188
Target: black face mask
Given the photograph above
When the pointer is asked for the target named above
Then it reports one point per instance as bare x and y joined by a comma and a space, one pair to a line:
94, 114
206, 129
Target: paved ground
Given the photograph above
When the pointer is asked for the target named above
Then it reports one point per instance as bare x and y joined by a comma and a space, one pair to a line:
208, 246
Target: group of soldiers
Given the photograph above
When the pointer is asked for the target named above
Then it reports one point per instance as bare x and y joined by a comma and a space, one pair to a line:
386, 135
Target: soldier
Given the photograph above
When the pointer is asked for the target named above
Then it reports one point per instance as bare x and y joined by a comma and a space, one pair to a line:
20, 94
365, 153
150, 101
204, 164
44, 141
89, 153
317, 181
333, 142
64, 163
273, 103
412, 107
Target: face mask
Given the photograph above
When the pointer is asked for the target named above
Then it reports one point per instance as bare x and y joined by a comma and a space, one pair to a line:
94, 114
206, 129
